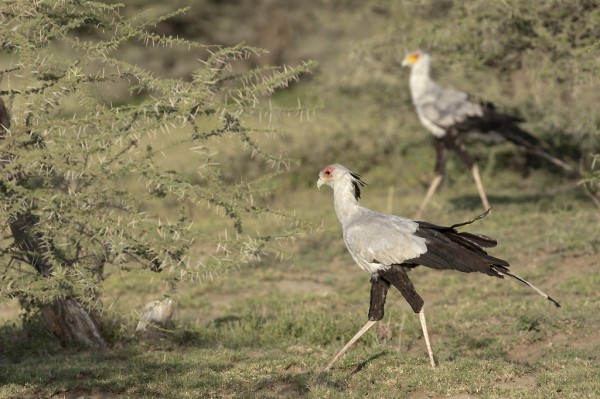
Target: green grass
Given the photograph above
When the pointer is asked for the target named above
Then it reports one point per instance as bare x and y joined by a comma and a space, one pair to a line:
275, 346
266, 330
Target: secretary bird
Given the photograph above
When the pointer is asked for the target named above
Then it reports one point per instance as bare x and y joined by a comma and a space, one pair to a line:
388, 246
448, 114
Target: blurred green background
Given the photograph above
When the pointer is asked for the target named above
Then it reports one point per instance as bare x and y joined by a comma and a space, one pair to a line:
536, 60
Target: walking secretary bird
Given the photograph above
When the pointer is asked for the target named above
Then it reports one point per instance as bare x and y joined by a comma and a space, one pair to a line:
449, 114
388, 246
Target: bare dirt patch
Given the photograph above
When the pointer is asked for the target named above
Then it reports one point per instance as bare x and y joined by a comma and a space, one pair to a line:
283, 389
430, 395
303, 286
589, 341
80, 394
527, 353
525, 380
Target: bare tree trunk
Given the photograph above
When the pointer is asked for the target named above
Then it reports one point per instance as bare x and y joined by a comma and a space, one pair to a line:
71, 322
65, 316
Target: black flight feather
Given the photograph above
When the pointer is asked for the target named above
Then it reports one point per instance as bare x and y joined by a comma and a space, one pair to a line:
493, 121
449, 249
478, 239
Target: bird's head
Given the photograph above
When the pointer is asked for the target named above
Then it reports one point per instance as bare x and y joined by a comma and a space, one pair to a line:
413, 57
332, 174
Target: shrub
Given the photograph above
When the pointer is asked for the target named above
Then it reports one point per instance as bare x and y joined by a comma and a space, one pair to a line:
82, 167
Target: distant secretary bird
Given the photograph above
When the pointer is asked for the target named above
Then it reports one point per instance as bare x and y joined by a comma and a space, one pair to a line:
448, 114
388, 246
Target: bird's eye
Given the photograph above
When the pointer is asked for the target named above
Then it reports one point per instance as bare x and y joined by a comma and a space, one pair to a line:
327, 172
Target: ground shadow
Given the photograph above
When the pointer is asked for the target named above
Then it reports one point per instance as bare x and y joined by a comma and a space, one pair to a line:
361, 365
548, 196
88, 372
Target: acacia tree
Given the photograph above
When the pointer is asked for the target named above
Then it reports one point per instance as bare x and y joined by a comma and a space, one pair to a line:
77, 172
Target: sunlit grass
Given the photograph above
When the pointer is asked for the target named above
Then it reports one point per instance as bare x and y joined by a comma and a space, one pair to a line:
265, 330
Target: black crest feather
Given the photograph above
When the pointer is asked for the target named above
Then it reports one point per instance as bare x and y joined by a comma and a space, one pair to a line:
357, 183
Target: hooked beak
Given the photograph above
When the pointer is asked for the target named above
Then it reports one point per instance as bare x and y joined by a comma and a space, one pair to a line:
320, 182
410, 59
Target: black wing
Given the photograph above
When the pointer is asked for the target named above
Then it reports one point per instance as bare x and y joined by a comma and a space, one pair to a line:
463, 251
493, 121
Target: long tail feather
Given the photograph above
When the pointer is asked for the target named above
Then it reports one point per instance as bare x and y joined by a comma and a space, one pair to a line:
531, 144
484, 214
561, 164
504, 272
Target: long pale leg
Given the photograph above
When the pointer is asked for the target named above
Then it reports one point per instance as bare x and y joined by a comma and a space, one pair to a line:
426, 335
477, 178
430, 191
363, 330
